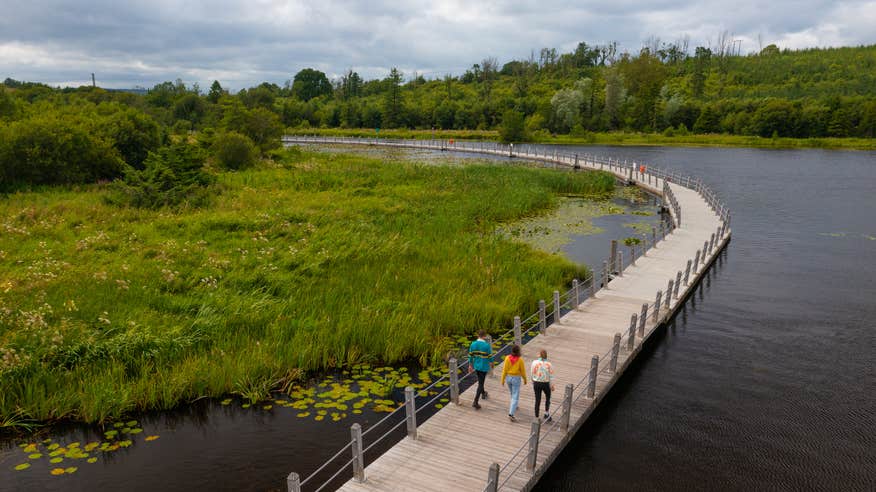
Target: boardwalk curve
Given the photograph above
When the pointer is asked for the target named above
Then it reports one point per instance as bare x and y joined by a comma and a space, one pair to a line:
592, 334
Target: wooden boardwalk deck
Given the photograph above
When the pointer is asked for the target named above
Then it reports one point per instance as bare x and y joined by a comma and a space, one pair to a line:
455, 447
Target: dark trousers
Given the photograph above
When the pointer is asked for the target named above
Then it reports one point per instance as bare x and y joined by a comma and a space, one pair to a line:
539, 389
482, 375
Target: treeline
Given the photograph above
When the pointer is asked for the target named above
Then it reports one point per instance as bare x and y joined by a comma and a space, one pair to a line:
86, 135
82, 135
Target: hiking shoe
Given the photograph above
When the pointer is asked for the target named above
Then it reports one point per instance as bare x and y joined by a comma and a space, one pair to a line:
511, 418
476, 406
547, 418
485, 396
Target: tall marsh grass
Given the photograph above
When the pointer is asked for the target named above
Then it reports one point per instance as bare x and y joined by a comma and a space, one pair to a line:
328, 261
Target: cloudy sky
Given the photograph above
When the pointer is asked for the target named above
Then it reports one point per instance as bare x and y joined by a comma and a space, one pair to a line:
242, 43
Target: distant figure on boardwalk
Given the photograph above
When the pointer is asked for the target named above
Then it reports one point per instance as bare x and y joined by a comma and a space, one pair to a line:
480, 360
542, 373
514, 370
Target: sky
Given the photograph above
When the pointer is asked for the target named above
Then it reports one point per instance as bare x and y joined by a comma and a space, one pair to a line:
243, 43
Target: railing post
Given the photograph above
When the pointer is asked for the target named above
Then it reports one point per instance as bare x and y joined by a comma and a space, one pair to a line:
696, 262
604, 274
567, 407
705, 251
712, 243
615, 349
654, 236
518, 335
411, 411
293, 483
556, 307
677, 284
576, 294
657, 305
642, 318
633, 254
645, 247
489, 339
594, 370
493, 478
687, 272
358, 456
454, 380
612, 256
542, 316
631, 336
532, 457
668, 297
620, 263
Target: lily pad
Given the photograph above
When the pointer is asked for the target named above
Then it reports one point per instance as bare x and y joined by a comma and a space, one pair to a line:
56, 460
226, 401
92, 460
57, 471
151, 438
72, 469
35, 456
136, 431
23, 466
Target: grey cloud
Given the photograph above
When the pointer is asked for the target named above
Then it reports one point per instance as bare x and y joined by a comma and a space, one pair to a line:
245, 43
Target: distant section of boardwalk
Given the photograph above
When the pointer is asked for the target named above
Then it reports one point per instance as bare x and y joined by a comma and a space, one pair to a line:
460, 448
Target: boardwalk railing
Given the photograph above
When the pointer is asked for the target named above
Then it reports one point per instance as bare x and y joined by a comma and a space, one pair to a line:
652, 314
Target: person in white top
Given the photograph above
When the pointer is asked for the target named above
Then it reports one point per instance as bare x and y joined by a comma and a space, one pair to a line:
542, 373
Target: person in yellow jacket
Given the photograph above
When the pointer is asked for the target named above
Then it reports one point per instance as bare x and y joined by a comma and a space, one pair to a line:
514, 371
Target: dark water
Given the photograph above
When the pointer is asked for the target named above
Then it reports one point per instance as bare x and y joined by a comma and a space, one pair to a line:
766, 379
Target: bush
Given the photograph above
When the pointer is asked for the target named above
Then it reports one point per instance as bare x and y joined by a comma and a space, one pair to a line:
512, 127
234, 151
51, 151
171, 176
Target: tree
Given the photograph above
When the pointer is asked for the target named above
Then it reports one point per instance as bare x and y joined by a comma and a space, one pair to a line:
566, 106
216, 91
134, 134
392, 100
310, 83
189, 107
259, 124
702, 59
513, 129
172, 175
615, 94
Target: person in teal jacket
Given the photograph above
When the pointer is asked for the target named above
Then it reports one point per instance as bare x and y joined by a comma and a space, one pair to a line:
480, 360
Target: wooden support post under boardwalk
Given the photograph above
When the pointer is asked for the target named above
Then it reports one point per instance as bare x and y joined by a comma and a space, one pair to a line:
657, 305
668, 298
534, 434
567, 407
293, 483
518, 335
677, 284
358, 456
575, 294
411, 411
642, 318
631, 335
542, 317
615, 349
453, 375
594, 371
493, 478
556, 307
687, 272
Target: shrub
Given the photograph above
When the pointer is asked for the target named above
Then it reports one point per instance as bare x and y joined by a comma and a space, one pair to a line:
513, 129
49, 151
171, 176
234, 151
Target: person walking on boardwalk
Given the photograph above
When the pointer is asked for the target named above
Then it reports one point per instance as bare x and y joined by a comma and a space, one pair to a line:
480, 360
542, 373
514, 370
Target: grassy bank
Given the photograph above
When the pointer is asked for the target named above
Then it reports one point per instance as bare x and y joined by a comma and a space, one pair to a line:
615, 138
328, 261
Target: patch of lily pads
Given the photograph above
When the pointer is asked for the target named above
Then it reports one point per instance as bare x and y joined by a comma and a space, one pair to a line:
62, 457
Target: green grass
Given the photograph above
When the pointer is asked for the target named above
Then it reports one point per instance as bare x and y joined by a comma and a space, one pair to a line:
615, 138
330, 261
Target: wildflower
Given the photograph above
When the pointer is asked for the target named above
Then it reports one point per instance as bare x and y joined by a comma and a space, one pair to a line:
104, 318
70, 305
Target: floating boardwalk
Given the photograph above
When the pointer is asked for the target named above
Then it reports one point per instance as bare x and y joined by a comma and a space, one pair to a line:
594, 336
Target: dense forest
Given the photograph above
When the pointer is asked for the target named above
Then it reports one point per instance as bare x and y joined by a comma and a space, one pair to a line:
86, 134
